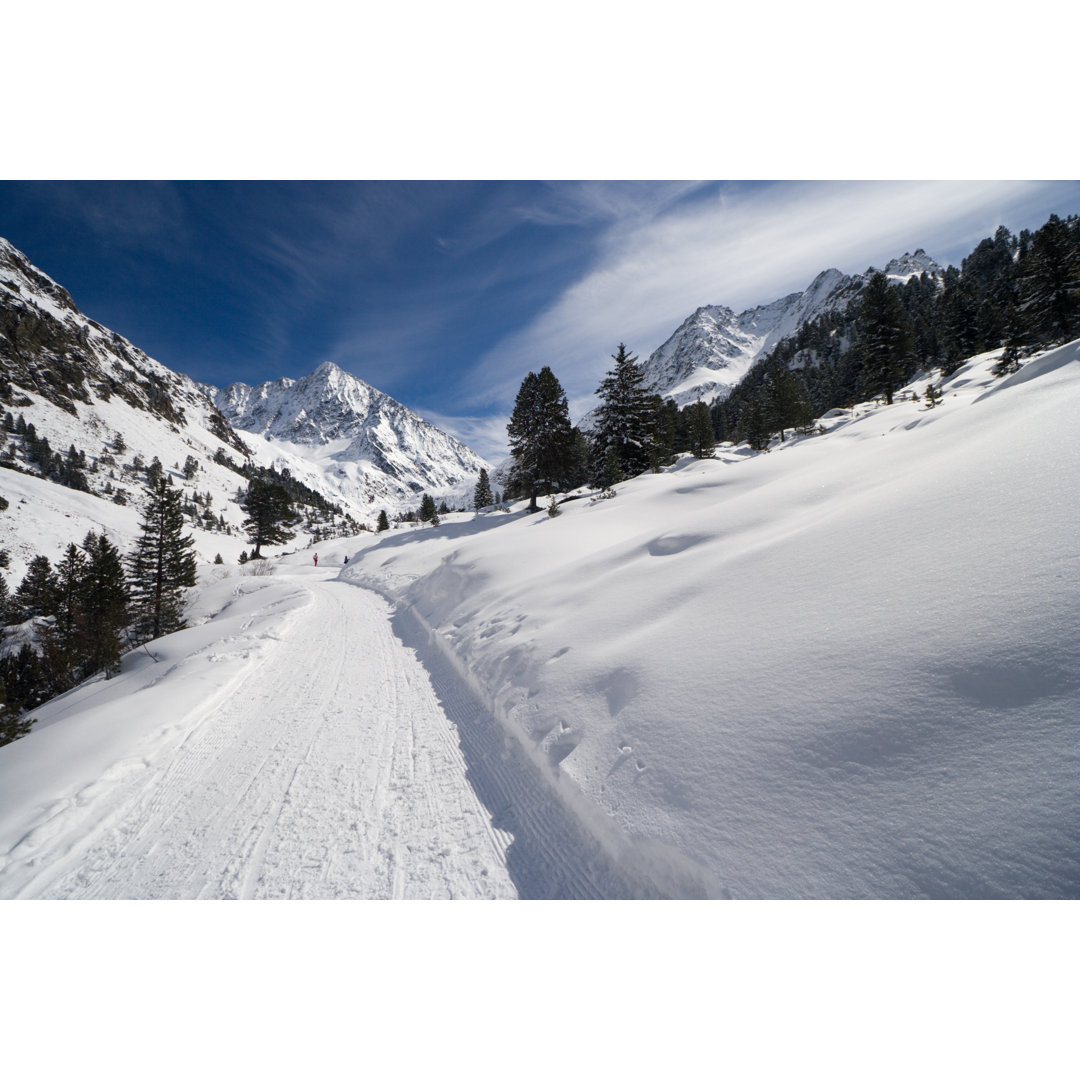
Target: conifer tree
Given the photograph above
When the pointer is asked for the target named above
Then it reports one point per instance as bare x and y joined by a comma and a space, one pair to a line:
540, 436
1050, 285
785, 403
700, 430
624, 419
753, 426
427, 508
270, 515
37, 592
162, 565
384, 522
884, 336
104, 604
482, 493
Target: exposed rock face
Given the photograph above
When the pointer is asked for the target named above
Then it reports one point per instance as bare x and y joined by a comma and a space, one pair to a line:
50, 349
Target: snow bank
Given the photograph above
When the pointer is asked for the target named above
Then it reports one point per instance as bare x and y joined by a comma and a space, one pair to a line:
846, 668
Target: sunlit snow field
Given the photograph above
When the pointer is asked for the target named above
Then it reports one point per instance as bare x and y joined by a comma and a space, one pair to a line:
846, 668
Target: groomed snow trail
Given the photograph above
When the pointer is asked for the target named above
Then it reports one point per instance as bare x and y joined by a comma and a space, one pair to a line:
331, 771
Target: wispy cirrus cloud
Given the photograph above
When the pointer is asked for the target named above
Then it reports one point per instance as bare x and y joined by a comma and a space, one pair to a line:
738, 247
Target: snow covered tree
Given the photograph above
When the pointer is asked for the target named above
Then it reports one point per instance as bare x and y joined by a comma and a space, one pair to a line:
270, 515
624, 419
162, 566
540, 435
482, 494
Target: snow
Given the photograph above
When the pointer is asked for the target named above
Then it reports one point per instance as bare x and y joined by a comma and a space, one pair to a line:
846, 668
253, 756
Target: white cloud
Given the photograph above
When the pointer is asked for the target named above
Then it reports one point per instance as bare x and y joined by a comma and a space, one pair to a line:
739, 249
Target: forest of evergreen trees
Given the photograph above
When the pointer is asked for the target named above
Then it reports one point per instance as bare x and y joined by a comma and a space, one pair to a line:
1017, 292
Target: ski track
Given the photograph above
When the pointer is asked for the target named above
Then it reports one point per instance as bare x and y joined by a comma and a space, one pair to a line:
552, 856
331, 771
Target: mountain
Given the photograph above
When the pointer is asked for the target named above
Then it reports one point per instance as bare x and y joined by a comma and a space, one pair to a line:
100, 411
366, 447
96, 411
714, 348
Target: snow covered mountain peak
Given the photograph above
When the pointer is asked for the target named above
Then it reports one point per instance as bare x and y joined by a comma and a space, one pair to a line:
911, 265
332, 428
714, 348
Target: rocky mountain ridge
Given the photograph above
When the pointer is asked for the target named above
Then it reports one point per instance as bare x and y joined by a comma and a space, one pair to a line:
705, 358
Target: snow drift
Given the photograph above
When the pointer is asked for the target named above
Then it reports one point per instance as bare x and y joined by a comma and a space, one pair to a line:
846, 668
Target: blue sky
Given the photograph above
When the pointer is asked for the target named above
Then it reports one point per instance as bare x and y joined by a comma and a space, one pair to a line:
444, 294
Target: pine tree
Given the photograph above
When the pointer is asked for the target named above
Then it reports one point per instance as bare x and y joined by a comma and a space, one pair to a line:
700, 430
1050, 283
162, 565
785, 402
270, 515
37, 593
384, 522
624, 419
753, 426
427, 508
933, 396
482, 496
104, 604
884, 336
540, 434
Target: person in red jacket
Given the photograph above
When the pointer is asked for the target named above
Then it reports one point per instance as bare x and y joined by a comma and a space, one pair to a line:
316, 558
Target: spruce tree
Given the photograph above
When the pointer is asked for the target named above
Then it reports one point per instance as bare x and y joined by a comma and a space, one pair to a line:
162, 565
37, 593
104, 604
541, 438
384, 522
700, 430
884, 336
625, 417
427, 508
785, 402
482, 496
270, 515
1050, 283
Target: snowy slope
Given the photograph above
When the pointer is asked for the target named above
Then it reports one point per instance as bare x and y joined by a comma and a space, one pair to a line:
252, 756
714, 348
356, 442
81, 385
845, 668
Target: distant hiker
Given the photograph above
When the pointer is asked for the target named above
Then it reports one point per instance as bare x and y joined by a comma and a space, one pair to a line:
346, 560
316, 559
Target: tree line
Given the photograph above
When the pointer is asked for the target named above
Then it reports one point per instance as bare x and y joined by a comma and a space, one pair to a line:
1017, 293
77, 617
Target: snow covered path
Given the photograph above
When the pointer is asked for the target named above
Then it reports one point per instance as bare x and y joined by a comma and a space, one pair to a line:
329, 771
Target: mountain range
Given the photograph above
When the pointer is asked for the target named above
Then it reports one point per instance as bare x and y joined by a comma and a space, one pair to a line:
87, 388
